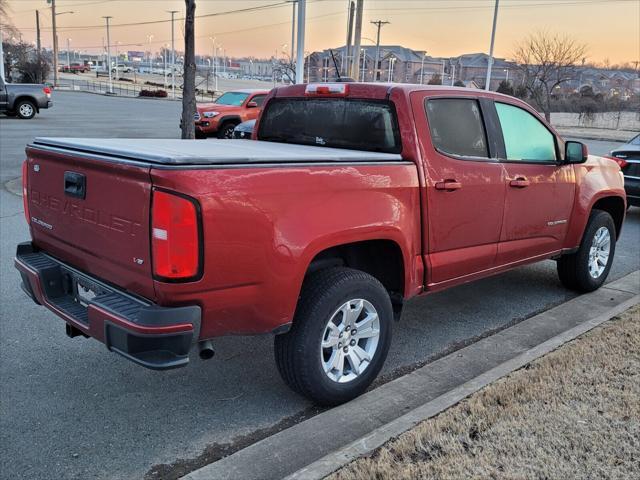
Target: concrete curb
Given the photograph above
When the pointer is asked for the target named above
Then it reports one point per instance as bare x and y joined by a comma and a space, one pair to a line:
314, 448
14, 186
365, 445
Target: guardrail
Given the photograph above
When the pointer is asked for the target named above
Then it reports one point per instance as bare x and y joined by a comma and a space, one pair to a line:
125, 89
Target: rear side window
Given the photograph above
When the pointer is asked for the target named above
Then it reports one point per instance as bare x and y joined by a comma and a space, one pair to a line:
526, 139
456, 127
259, 99
332, 122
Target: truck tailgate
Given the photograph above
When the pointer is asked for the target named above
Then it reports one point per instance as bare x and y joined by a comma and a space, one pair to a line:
93, 215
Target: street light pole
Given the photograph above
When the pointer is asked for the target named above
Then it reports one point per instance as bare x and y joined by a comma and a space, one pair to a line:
55, 43
493, 37
422, 68
300, 44
107, 18
68, 59
149, 38
173, 55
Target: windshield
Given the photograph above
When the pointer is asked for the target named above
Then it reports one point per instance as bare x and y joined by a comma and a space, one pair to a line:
332, 122
232, 98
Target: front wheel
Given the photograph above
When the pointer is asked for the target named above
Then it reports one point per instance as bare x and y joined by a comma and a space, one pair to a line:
588, 268
340, 336
226, 130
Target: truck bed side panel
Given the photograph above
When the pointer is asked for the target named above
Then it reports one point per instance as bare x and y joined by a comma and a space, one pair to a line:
263, 226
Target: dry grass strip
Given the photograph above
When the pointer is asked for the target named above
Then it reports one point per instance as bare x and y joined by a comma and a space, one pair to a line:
573, 414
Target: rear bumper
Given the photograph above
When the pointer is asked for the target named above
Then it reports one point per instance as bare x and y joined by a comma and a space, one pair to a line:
150, 335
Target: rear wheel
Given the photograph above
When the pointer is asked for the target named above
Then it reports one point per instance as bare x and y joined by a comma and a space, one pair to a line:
340, 336
588, 268
226, 130
25, 109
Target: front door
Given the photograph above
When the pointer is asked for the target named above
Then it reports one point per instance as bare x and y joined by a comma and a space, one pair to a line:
540, 189
465, 188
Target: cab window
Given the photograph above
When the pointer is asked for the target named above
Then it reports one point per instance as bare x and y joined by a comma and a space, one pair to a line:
259, 99
526, 139
456, 127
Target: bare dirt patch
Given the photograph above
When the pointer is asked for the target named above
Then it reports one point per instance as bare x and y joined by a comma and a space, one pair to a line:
574, 413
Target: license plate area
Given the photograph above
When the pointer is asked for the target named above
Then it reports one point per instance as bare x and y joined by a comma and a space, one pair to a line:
84, 290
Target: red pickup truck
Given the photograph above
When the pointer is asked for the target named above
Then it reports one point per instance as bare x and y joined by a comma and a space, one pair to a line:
354, 198
228, 110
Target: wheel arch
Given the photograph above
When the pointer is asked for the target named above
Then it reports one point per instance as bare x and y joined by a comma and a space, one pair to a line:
382, 258
26, 97
614, 206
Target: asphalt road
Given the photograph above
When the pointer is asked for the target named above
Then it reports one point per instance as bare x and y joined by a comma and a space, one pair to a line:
69, 409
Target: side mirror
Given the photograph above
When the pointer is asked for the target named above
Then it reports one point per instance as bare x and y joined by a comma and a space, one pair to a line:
252, 105
575, 152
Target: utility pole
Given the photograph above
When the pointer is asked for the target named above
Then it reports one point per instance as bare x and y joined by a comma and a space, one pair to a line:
348, 52
300, 44
173, 56
358, 39
293, 30
1, 55
55, 43
107, 18
39, 46
379, 24
424, 54
493, 37
68, 57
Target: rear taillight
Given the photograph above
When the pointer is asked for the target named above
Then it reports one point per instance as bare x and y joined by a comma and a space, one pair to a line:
47, 91
175, 237
25, 191
620, 161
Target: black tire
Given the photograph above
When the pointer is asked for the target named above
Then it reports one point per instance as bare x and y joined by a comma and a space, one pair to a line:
25, 109
298, 352
226, 130
573, 269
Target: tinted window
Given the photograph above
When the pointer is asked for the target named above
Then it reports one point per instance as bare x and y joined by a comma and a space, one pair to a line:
259, 99
231, 98
525, 137
332, 122
456, 127
635, 140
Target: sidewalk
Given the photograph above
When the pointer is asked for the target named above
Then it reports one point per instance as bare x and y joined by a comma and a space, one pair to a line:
602, 134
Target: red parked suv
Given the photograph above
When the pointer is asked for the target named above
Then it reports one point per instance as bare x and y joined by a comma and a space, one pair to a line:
229, 109
354, 199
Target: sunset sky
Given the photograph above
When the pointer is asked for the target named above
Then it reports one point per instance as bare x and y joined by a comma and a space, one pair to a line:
610, 28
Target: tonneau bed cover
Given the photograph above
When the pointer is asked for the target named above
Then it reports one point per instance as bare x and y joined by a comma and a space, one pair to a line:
175, 152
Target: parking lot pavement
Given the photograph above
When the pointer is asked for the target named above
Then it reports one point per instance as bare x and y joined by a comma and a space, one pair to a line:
70, 409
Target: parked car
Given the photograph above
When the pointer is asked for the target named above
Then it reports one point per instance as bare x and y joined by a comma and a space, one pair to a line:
353, 199
75, 68
24, 100
228, 110
121, 67
244, 130
628, 157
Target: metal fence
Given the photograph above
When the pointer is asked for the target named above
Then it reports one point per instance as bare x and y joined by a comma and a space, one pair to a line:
125, 89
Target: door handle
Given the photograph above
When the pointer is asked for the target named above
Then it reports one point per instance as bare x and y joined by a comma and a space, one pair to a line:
520, 182
448, 185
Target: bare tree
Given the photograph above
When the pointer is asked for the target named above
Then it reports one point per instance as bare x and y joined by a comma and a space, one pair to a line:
546, 61
189, 75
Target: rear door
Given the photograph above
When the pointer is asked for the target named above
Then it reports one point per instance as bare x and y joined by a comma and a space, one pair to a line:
539, 188
465, 187
92, 214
